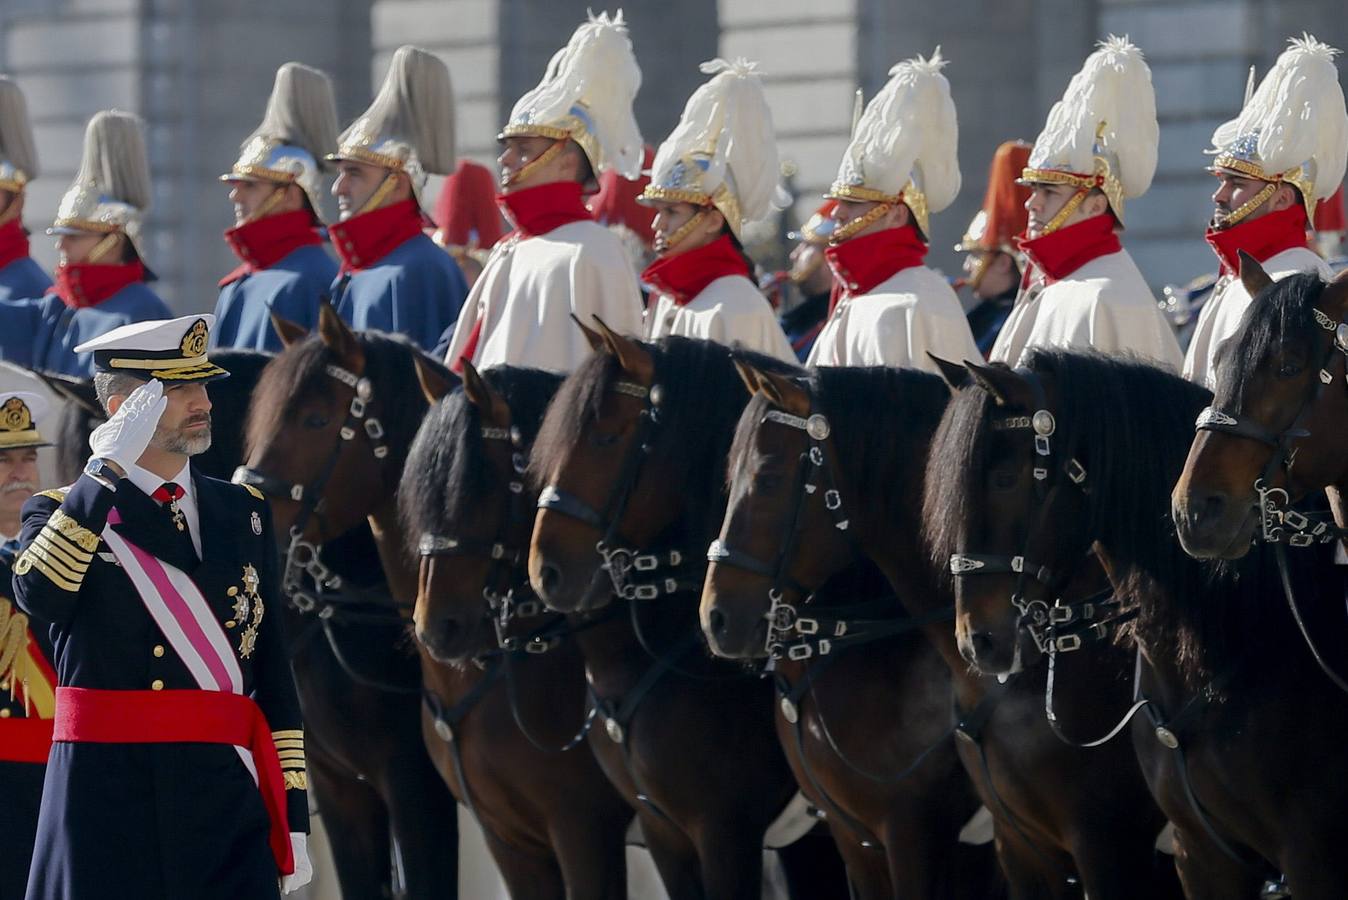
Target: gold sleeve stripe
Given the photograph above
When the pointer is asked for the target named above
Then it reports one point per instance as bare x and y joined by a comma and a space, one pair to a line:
292, 767
27, 560
71, 559
65, 543
296, 781
71, 573
73, 530
292, 762
290, 742
291, 754
288, 733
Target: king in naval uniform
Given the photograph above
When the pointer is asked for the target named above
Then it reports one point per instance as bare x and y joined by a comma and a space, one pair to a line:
716, 172
20, 275
900, 167
393, 276
559, 262
1097, 149
1284, 152
275, 186
101, 280
177, 768
27, 679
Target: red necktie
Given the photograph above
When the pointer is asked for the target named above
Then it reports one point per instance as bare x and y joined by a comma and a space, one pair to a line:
168, 492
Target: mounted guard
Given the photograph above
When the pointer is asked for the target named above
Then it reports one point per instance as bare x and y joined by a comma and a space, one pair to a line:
20, 275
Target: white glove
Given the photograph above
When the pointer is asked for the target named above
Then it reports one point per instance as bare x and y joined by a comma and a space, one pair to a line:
304, 870
123, 438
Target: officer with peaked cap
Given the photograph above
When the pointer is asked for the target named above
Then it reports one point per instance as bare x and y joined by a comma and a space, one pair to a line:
1274, 163
275, 186
992, 267
393, 277
177, 764
27, 679
20, 275
716, 172
899, 168
1097, 149
576, 124
101, 281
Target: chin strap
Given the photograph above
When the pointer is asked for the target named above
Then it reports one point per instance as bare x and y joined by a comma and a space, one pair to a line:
860, 223
1249, 206
671, 244
266, 206
1060, 218
380, 193
536, 163
103, 247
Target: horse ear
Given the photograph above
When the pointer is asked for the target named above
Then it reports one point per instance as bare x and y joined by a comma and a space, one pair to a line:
592, 337
289, 332
340, 338
634, 358
748, 374
955, 375
478, 392
1006, 387
435, 382
1252, 275
783, 393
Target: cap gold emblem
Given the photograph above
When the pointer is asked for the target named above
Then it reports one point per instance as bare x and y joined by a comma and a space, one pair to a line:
194, 342
15, 415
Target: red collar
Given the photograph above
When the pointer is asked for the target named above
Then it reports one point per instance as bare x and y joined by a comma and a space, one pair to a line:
1064, 251
862, 263
81, 285
537, 210
264, 243
366, 238
13, 242
1266, 236
685, 275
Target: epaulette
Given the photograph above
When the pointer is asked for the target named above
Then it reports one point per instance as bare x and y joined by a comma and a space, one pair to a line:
57, 494
254, 491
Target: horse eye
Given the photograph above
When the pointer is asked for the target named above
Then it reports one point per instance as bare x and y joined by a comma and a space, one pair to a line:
316, 421
599, 439
1290, 369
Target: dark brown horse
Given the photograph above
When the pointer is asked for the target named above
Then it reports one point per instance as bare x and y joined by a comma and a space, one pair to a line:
512, 679
828, 470
1230, 706
325, 467
640, 430
1278, 424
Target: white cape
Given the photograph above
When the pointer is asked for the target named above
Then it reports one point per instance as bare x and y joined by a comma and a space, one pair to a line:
1221, 315
1104, 305
728, 311
531, 286
913, 312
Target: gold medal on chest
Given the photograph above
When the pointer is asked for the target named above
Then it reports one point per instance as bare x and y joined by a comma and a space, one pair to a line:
248, 610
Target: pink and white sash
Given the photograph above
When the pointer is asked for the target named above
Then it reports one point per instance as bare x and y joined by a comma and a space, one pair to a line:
180, 610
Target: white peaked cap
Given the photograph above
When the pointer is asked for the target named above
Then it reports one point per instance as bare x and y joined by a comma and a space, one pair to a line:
586, 95
167, 349
1294, 127
723, 152
904, 147
1103, 132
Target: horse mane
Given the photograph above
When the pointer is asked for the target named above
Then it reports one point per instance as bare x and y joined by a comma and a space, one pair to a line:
1279, 320
1130, 424
299, 373
447, 475
702, 398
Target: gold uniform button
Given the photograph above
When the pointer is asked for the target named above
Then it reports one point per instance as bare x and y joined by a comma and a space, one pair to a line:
158, 650
157, 684
4, 714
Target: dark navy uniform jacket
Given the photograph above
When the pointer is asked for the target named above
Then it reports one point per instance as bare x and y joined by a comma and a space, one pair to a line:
417, 290
292, 288
20, 782
179, 821
23, 278
43, 333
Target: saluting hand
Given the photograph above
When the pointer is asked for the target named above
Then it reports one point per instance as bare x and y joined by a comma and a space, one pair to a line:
123, 438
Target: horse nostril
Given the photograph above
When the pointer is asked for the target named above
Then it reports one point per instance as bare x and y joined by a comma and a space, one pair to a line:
982, 644
716, 619
550, 578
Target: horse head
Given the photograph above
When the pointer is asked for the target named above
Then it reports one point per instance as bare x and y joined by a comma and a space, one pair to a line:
467, 508
1277, 426
329, 425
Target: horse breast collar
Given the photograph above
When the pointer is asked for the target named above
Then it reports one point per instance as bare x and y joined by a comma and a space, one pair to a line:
1279, 522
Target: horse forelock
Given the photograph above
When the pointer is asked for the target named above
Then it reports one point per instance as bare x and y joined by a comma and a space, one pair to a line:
1280, 319
576, 404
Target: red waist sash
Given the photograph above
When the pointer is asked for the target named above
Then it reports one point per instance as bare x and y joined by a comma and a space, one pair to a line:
182, 717
25, 740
